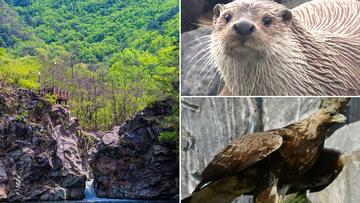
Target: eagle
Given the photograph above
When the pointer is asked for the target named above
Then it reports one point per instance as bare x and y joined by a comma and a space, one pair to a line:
273, 163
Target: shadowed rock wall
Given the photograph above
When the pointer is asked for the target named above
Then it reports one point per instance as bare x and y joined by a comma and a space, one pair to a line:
131, 163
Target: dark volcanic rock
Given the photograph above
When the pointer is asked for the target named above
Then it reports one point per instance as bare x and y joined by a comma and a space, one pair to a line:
130, 162
39, 155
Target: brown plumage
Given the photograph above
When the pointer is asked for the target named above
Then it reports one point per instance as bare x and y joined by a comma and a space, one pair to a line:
262, 48
270, 163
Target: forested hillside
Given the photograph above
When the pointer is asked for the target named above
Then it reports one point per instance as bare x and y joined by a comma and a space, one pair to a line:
114, 56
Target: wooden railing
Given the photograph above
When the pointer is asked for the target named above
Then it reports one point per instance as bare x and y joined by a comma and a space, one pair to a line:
62, 95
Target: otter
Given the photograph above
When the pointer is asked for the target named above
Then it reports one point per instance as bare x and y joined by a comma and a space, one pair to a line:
262, 48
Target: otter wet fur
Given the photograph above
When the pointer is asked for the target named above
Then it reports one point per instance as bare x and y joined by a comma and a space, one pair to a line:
262, 48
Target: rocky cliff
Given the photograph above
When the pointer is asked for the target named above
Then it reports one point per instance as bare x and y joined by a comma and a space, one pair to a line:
39, 154
44, 154
131, 163
210, 124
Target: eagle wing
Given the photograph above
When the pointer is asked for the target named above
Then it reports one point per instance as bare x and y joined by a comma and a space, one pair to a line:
325, 170
240, 154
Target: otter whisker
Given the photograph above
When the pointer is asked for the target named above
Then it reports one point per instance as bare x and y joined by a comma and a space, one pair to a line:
201, 58
209, 69
200, 38
212, 78
207, 61
200, 52
203, 69
312, 49
202, 43
204, 58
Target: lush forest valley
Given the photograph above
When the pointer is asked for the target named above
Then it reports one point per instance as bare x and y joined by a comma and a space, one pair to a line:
118, 134
114, 56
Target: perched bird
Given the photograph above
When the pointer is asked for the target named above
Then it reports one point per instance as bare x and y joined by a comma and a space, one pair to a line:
273, 163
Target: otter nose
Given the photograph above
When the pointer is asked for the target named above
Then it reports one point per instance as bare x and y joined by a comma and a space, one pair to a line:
244, 28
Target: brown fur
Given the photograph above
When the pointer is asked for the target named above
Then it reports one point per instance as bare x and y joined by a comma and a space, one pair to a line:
259, 163
313, 49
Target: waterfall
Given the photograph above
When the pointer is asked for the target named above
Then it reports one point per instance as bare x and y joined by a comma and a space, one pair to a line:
89, 191
90, 194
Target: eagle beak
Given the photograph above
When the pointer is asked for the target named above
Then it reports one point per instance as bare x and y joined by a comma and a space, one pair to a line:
339, 118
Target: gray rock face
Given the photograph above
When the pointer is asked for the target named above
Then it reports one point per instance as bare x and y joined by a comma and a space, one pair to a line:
279, 112
39, 156
210, 124
130, 163
205, 133
197, 78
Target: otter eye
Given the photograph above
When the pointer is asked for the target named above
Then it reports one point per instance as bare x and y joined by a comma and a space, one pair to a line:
266, 21
332, 114
227, 18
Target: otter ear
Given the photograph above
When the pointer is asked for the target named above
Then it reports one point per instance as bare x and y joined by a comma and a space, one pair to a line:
286, 15
216, 10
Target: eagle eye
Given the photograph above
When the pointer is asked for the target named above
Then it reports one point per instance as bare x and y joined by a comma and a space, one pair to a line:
332, 114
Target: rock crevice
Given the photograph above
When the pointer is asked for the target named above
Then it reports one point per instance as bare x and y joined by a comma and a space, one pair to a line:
39, 156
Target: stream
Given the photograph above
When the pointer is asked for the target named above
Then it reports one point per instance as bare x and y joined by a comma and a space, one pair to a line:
90, 196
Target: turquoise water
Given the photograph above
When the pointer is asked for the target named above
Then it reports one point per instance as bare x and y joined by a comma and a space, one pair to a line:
90, 196
112, 201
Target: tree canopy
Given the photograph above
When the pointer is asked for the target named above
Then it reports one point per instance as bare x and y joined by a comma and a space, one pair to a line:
107, 53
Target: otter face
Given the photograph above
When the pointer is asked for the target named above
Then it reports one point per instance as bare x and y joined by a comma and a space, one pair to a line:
246, 25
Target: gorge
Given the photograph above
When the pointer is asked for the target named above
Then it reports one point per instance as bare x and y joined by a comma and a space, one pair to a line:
44, 154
